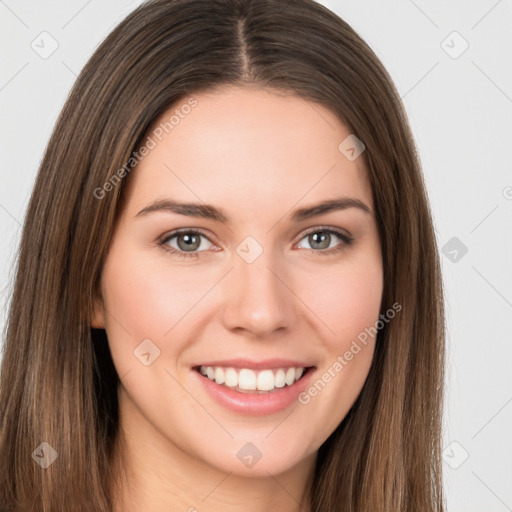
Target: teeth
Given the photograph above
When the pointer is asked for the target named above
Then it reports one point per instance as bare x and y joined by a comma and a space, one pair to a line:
279, 378
290, 376
248, 380
265, 380
231, 377
219, 375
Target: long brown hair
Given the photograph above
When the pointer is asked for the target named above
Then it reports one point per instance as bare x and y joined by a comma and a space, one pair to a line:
58, 384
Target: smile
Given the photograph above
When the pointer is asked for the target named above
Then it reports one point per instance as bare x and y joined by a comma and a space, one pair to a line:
246, 380
254, 387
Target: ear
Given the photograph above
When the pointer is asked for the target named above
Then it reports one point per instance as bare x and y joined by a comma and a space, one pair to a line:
98, 316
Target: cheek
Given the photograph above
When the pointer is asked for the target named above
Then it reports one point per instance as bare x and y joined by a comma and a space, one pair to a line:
348, 306
143, 296
346, 299
145, 299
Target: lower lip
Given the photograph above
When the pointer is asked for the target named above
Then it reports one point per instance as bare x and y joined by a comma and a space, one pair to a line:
255, 404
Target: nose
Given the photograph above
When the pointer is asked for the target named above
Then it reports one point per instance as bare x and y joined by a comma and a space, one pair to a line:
258, 297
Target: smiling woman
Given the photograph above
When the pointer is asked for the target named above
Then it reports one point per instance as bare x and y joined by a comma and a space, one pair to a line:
228, 293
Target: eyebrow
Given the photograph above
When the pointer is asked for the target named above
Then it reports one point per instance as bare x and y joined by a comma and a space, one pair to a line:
207, 211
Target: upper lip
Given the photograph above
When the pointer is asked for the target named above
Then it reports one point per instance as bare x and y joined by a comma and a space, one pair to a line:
257, 365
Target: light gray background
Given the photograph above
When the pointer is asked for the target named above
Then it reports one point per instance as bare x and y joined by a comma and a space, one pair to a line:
460, 110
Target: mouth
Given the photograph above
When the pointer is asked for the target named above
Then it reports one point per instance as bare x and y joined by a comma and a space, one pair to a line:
254, 387
254, 381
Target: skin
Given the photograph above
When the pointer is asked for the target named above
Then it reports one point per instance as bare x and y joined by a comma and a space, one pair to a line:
259, 155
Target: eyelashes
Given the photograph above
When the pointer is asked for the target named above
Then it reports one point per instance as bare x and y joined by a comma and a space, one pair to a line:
183, 254
195, 235
346, 240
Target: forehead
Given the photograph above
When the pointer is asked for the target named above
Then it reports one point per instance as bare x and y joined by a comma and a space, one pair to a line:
247, 150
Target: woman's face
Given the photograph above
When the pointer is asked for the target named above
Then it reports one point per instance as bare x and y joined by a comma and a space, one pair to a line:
258, 288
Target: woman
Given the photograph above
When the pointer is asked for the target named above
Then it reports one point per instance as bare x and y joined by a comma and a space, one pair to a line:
181, 336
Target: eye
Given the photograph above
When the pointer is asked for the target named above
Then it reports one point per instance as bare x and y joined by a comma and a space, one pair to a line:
188, 243
185, 243
320, 240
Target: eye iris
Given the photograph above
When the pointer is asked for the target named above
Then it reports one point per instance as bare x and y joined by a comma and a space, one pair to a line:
189, 242
319, 238
192, 242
